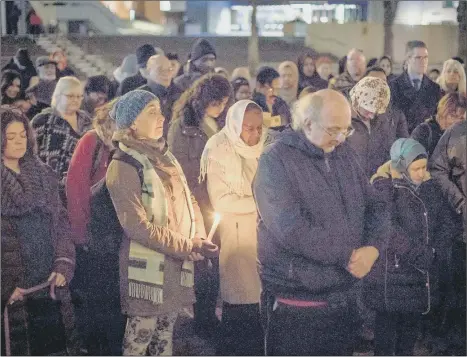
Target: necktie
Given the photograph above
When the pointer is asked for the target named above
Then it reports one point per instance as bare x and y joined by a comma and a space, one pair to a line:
416, 84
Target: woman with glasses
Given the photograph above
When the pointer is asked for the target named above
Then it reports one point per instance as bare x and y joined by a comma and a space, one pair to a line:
59, 128
451, 110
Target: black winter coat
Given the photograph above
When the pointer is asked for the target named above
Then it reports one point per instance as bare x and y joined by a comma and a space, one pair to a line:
428, 134
404, 279
416, 105
131, 83
26, 74
314, 210
373, 145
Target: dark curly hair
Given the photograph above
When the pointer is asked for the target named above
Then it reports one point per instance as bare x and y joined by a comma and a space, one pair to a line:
10, 115
208, 89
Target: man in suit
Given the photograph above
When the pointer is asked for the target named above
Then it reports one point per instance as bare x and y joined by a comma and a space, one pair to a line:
413, 92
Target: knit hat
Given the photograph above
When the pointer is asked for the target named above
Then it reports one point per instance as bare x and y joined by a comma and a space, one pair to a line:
129, 66
371, 94
403, 152
43, 60
201, 48
143, 53
129, 106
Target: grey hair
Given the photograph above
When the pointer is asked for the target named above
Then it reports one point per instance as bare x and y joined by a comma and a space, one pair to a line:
307, 109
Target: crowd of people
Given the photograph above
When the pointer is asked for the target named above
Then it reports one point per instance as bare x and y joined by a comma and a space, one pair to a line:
322, 210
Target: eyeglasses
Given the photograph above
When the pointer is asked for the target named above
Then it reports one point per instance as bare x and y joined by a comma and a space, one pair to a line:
74, 96
336, 133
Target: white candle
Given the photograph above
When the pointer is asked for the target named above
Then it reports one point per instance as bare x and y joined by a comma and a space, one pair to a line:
217, 220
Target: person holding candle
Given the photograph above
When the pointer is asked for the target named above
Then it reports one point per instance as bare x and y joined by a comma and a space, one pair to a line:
229, 164
164, 229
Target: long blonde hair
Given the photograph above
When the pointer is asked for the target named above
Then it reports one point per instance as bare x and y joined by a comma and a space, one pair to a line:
453, 64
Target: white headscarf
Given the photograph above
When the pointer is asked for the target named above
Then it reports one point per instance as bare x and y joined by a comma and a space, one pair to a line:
226, 148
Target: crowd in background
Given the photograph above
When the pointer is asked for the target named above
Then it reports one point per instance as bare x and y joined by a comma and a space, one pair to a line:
341, 200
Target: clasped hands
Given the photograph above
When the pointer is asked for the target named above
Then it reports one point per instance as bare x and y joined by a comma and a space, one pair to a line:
203, 248
362, 260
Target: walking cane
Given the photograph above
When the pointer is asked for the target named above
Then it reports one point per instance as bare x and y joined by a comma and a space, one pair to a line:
26, 292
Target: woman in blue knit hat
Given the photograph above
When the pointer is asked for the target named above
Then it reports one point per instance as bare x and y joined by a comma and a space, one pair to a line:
402, 286
164, 229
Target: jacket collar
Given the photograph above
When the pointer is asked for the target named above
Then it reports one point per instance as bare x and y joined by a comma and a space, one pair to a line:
158, 90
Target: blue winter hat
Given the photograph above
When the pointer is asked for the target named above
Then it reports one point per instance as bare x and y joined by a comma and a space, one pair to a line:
129, 106
403, 152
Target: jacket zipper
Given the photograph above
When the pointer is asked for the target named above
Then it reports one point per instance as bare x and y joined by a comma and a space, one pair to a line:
328, 166
427, 238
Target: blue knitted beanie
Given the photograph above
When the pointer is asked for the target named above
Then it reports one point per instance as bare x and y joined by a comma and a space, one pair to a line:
129, 106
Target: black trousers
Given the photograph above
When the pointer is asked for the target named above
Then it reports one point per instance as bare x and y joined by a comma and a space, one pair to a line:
396, 333
241, 331
310, 331
96, 290
206, 292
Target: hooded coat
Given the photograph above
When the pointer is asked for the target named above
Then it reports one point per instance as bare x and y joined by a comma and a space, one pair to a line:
405, 279
314, 210
229, 166
22, 64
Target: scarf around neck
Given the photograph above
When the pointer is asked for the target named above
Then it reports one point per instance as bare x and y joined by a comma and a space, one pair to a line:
23, 192
226, 149
145, 282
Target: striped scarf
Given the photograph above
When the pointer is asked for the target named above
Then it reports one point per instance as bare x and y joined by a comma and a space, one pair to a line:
146, 266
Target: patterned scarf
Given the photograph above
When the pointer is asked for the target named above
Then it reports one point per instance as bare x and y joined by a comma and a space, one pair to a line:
146, 266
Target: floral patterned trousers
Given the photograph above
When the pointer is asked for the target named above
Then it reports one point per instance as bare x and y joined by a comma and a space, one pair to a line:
149, 334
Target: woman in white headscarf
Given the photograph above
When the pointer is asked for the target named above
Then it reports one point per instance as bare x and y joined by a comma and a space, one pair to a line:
229, 164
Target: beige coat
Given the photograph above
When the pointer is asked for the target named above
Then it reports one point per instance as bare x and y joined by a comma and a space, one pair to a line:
239, 277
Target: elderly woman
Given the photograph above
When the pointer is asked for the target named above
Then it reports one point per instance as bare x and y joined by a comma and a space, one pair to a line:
452, 78
289, 82
374, 133
402, 285
451, 110
36, 240
229, 165
164, 229
59, 128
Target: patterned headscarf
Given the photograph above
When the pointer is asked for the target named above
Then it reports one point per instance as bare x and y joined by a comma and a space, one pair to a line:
371, 94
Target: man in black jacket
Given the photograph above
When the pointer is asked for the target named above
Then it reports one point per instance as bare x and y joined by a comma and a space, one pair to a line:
413, 92
448, 167
320, 229
143, 53
202, 61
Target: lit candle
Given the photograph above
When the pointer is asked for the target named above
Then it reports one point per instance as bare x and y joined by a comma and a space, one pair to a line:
215, 224
217, 220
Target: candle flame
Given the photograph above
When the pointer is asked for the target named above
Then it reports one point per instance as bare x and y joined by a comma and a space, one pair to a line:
217, 217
